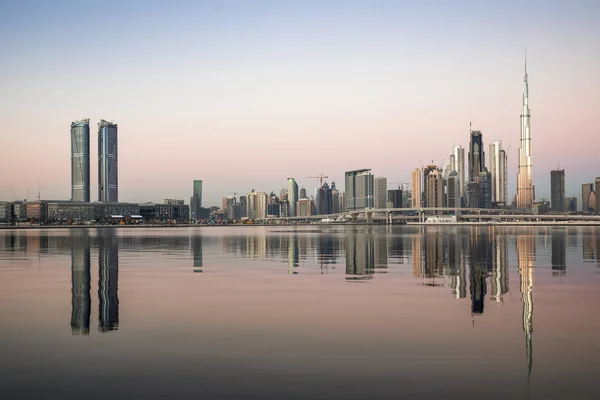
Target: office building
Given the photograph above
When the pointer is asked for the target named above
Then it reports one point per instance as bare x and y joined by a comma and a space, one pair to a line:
592, 202
256, 207
304, 207
359, 189
416, 188
453, 190
324, 200
80, 160
335, 199
380, 192
476, 156
196, 201
497, 169
586, 190
457, 163
571, 204
108, 166
302, 194
557, 190
433, 188
598, 195
485, 189
395, 198
177, 202
292, 195
525, 194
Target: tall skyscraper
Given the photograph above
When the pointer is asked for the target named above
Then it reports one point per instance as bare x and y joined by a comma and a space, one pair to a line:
476, 156
80, 281
498, 172
457, 161
485, 189
380, 191
525, 195
586, 189
597, 195
453, 191
256, 207
196, 200
557, 190
416, 188
433, 189
359, 189
80, 160
108, 172
292, 196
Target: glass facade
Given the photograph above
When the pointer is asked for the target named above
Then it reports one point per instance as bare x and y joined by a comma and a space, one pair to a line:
108, 172
80, 160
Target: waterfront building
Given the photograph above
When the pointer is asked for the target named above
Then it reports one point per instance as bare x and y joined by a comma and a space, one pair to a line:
359, 189
335, 199
476, 156
163, 213
498, 173
416, 188
395, 198
597, 195
380, 197
571, 204
473, 193
557, 190
5, 211
433, 188
174, 201
80, 160
592, 202
304, 207
457, 163
108, 171
324, 200
426, 171
453, 190
586, 189
256, 207
196, 200
485, 187
525, 194
292, 196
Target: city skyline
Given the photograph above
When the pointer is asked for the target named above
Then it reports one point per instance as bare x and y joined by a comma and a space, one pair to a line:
268, 85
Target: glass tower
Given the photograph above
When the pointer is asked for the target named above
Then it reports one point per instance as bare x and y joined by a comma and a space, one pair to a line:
80, 160
108, 175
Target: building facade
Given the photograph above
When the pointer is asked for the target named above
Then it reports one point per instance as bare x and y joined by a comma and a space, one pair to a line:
292, 196
476, 156
557, 190
380, 189
80, 160
304, 207
525, 194
598, 196
416, 188
108, 165
586, 189
256, 207
434, 189
453, 190
359, 189
457, 162
498, 172
196, 200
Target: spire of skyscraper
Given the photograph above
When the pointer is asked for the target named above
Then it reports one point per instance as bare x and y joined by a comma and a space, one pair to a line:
524, 178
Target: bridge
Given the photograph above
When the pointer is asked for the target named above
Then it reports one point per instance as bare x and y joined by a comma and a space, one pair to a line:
389, 215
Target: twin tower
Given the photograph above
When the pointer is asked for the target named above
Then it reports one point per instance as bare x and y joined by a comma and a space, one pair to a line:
108, 176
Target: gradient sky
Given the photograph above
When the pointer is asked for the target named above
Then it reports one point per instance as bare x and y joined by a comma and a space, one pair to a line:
245, 94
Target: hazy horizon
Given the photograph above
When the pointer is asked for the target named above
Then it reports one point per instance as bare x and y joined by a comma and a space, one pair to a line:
243, 95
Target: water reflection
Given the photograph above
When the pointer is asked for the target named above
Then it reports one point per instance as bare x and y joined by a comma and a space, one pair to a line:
559, 252
196, 246
526, 263
360, 256
108, 270
80, 283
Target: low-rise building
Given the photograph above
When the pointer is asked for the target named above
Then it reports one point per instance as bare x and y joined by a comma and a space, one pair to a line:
161, 213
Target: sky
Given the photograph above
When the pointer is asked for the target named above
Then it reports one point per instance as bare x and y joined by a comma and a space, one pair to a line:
244, 94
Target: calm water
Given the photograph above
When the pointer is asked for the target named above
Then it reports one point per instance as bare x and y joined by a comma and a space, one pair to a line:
345, 312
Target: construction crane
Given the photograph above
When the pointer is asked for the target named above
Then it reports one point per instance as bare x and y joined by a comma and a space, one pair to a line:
320, 178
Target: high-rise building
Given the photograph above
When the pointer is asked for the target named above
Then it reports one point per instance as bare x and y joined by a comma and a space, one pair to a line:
433, 189
416, 188
498, 172
325, 200
335, 199
292, 196
485, 189
525, 195
598, 195
457, 162
359, 189
80, 160
256, 207
586, 189
196, 200
302, 194
108, 171
453, 190
304, 207
557, 190
592, 202
571, 204
476, 156
380, 191
395, 198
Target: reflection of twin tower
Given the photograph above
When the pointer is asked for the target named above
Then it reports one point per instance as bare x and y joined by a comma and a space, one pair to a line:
108, 275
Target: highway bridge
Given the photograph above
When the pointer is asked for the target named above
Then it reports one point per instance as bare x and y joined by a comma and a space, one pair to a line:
391, 215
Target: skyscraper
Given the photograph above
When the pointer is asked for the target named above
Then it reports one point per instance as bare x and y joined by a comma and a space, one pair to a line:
416, 188
476, 156
256, 207
433, 189
524, 178
458, 164
586, 189
453, 193
359, 189
292, 196
196, 200
80, 160
108, 173
380, 191
597, 195
498, 172
557, 190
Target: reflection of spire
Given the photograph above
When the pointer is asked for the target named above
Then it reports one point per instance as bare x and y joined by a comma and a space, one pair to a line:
526, 261
80, 285
108, 269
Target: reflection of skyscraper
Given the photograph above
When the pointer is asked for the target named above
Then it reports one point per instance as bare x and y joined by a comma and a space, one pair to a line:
80, 285
381, 251
196, 244
293, 253
526, 262
559, 251
477, 270
417, 254
499, 279
108, 269
360, 257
